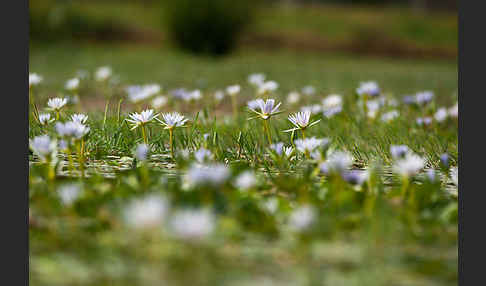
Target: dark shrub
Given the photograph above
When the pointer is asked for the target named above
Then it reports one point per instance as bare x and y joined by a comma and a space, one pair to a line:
207, 26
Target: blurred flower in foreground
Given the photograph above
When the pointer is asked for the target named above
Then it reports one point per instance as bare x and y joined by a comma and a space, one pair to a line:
69, 193
424, 121
441, 114
42, 146
141, 152
147, 212
389, 116
233, 90
355, 177
103, 73
72, 129
79, 118
369, 88
332, 105
399, 151
337, 163
424, 97
302, 218
453, 111
211, 174
192, 224
246, 180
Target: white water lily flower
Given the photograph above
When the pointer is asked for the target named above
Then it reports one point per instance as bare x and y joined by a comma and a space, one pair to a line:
72, 84
69, 193
42, 146
246, 180
79, 118
56, 103
454, 175
103, 73
453, 111
267, 87
138, 119
45, 118
141, 153
301, 121
192, 224
308, 90
159, 101
212, 174
267, 108
389, 116
302, 218
369, 88
147, 212
34, 79
441, 114
310, 144
172, 120
233, 90
399, 151
256, 79
203, 155
409, 165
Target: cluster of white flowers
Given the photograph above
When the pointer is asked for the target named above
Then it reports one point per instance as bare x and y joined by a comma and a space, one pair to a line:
139, 93
42, 146
72, 129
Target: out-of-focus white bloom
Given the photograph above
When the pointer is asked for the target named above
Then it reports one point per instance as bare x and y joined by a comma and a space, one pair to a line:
314, 109
34, 79
431, 176
454, 175
256, 79
271, 205
369, 88
69, 193
337, 163
246, 180
79, 118
202, 155
72, 84
42, 146
233, 90
103, 73
267, 108
309, 144
219, 95
172, 120
389, 116
441, 114
56, 103
454, 110
293, 97
82, 74
138, 93
73, 99
148, 212
138, 119
211, 174
45, 118
424, 121
330, 112
332, 101
184, 153
399, 151
424, 97
192, 224
194, 95
308, 90
159, 101
301, 121
302, 218
141, 152
267, 87
355, 177
280, 149
409, 165
72, 129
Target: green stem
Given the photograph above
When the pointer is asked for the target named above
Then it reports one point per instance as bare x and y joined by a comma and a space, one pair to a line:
106, 111
267, 130
58, 114
144, 135
404, 187
171, 140
303, 133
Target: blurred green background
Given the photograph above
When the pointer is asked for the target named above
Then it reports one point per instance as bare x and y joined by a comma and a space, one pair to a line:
405, 45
